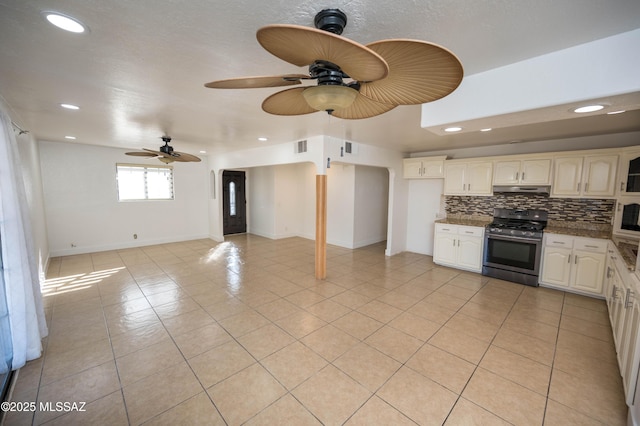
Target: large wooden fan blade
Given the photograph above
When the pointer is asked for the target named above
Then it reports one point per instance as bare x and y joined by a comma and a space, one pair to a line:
184, 157
287, 102
257, 82
302, 46
362, 107
419, 72
141, 154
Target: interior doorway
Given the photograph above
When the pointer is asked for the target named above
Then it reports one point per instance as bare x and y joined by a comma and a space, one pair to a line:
234, 202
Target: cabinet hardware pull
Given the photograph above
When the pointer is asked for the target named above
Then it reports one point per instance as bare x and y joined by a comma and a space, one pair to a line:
578, 190
627, 300
590, 246
586, 187
523, 176
569, 259
458, 243
558, 242
468, 232
454, 242
575, 260
469, 187
614, 292
621, 186
517, 175
607, 274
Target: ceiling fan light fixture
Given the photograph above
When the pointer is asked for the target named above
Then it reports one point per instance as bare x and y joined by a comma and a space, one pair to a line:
165, 160
329, 97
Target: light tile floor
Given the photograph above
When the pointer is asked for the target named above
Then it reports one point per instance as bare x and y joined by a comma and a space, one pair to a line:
242, 333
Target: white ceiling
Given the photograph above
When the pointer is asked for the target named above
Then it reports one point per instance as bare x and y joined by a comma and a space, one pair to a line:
139, 71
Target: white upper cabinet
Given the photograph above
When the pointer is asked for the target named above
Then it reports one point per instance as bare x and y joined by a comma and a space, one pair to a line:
591, 176
468, 178
522, 172
424, 167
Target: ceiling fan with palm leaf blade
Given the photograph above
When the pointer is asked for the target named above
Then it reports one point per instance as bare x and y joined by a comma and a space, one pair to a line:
166, 154
353, 81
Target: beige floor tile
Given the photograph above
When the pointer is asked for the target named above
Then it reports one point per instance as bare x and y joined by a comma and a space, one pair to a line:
300, 324
431, 312
450, 289
479, 329
442, 367
486, 311
199, 410
243, 323
106, 410
139, 338
532, 328
394, 343
186, 322
277, 309
524, 312
328, 310
217, 364
121, 324
84, 387
62, 364
466, 413
521, 370
591, 329
527, 346
579, 343
265, 341
462, 345
415, 326
594, 400
585, 302
597, 316
145, 362
160, 392
367, 366
351, 299
581, 364
176, 308
66, 338
226, 309
379, 311
398, 300
505, 399
201, 339
358, 325
294, 364
376, 411
331, 395
419, 398
329, 342
561, 415
305, 298
245, 394
285, 411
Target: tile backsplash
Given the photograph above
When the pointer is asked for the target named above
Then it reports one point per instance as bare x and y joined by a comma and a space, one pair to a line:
573, 212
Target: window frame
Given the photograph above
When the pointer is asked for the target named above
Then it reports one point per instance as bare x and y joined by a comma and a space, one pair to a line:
146, 167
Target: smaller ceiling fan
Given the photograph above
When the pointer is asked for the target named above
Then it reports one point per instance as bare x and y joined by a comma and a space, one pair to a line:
166, 154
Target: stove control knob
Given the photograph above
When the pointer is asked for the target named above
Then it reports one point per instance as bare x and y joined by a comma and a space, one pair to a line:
512, 232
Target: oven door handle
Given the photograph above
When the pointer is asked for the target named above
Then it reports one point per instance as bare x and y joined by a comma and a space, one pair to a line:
512, 238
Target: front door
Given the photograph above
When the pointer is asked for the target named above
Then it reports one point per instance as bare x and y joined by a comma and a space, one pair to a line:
234, 206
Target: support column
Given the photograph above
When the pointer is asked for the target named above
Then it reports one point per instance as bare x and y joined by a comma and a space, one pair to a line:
321, 227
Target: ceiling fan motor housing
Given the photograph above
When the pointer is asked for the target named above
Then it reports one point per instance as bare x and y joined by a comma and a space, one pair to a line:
331, 20
166, 148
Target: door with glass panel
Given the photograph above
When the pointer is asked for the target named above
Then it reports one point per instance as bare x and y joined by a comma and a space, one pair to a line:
234, 205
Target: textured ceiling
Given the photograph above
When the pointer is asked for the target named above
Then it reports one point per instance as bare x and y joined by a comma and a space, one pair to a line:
139, 71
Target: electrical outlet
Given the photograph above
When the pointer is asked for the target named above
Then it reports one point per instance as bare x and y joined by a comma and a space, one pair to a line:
135, 236
72, 245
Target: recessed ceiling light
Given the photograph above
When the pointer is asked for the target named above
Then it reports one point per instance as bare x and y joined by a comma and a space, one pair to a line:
69, 106
262, 139
65, 22
453, 129
488, 129
70, 137
617, 112
588, 108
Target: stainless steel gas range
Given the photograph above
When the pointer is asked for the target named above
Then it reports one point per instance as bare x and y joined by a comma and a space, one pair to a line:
513, 245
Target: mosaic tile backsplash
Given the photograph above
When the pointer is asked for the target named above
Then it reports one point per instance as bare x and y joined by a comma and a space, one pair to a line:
569, 210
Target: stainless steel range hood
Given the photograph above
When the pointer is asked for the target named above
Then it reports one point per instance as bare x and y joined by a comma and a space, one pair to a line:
522, 189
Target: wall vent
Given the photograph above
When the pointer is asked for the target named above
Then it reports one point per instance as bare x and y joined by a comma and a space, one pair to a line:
350, 148
300, 146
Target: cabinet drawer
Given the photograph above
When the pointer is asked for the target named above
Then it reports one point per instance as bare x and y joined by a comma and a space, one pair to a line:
471, 231
446, 229
555, 240
598, 246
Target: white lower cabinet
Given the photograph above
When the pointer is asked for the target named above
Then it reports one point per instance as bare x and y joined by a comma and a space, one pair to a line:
459, 246
574, 263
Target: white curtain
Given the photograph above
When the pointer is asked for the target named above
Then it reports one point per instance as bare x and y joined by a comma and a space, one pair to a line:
21, 278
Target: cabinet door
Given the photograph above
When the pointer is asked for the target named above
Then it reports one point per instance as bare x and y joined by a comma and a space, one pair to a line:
445, 248
588, 271
470, 253
412, 168
567, 176
535, 172
629, 347
617, 310
556, 269
630, 174
599, 176
507, 173
454, 178
433, 168
479, 178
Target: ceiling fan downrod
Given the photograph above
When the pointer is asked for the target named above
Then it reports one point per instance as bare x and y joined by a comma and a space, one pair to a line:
331, 20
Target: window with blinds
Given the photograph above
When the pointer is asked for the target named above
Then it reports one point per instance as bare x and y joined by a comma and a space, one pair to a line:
137, 182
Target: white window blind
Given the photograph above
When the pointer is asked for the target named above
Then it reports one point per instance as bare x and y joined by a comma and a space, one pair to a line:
138, 182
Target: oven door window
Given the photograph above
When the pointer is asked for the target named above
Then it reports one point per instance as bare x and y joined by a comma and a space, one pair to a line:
517, 254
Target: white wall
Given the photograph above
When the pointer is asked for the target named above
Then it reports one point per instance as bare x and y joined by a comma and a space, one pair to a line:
82, 207
371, 204
260, 196
423, 208
340, 204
